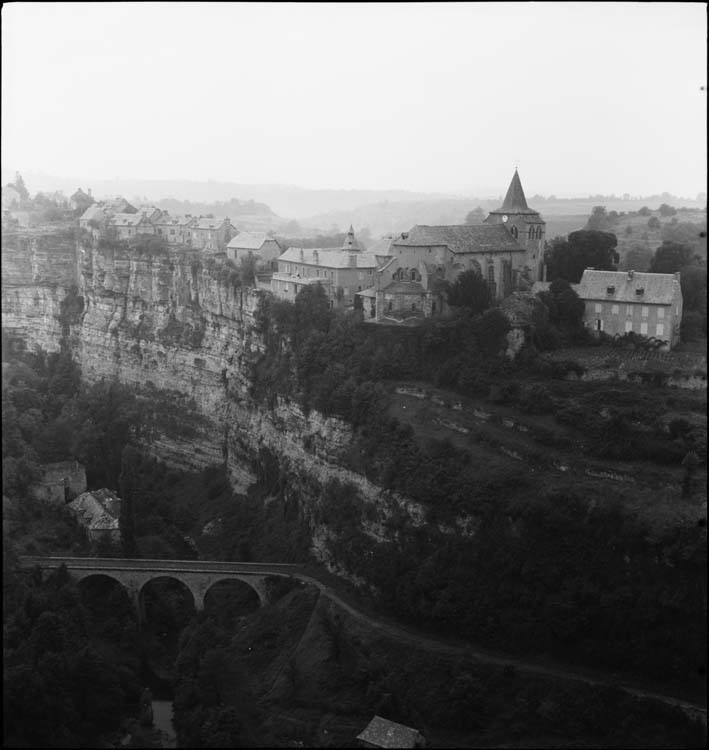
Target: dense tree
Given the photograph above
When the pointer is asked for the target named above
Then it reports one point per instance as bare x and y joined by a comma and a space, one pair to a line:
637, 258
653, 223
670, 257
476, 216
667, 210
566, 310
644, 211
469, 290
567, 259
694, 235
600, 220
19, 185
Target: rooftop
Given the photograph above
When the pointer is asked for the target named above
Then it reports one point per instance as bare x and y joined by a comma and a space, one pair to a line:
329, 257
657, 288
248, 240
461, 238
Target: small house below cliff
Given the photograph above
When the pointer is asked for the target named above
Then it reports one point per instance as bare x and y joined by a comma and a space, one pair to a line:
99, 512
61, 482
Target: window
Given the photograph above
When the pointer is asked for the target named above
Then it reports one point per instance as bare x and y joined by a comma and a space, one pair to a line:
660, 312
628, 326
491, 274
514, 232
610, 290
598, 307
660, 329
614, 309
645, 311
629, 311
643, 328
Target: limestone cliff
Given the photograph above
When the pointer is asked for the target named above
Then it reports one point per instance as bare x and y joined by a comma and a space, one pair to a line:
173, 326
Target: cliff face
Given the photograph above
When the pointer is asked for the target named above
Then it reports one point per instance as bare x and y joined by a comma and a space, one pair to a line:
38, 269
172, 326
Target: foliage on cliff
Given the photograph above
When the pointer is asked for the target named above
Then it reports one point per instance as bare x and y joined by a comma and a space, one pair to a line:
565, 566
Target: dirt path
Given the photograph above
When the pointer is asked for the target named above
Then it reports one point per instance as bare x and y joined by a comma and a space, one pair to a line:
433, 644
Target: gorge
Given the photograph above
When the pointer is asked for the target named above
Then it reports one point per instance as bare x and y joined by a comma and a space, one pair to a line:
484, 531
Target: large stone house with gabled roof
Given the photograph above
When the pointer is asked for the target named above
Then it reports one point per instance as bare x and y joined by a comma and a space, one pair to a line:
620, 302
263, 248
342, 271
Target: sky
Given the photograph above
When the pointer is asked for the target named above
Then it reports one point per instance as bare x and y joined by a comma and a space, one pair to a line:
585, 98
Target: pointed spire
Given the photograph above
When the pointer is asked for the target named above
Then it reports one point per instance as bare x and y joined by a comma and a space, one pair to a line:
515, 200
350, 242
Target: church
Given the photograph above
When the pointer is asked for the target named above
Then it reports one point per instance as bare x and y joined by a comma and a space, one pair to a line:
506, 250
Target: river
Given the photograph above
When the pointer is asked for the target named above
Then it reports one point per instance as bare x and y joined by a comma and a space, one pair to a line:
162, 720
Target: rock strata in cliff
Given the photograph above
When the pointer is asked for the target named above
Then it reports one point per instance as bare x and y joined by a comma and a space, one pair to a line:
38, 269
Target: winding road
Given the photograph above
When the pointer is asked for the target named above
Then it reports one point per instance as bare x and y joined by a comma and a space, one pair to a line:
310, 576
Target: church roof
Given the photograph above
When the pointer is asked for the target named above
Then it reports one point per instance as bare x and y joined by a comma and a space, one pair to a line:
461, 238
515, 200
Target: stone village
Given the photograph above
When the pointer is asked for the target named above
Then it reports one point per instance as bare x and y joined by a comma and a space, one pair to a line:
402, 278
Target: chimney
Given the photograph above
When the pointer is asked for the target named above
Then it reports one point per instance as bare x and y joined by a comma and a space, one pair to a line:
88, 190
630, 275
302, 255
676, 275
316, 256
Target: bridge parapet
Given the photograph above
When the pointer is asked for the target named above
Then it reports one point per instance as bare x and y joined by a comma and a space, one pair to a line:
198, 576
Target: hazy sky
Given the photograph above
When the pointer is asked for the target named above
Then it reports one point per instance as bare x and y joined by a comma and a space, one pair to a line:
584, 97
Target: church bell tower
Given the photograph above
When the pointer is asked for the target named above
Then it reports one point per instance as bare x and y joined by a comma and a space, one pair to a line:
525, 224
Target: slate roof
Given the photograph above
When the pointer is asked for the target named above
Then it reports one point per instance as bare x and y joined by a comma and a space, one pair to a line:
248, 240
516, 203
204, 223
461, 238
93, 212
98, 509
659, 288
382, 246
173, 221
328, 257
384, 733
127, 220
515, 200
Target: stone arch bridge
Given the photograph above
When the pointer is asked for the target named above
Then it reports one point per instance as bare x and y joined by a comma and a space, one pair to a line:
197, 575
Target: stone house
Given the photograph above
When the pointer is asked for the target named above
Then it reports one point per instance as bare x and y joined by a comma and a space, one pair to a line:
174, 229
342, 272
61, 482
258, 244
210, 234
128, 226
99, 512
384, 733
620, 302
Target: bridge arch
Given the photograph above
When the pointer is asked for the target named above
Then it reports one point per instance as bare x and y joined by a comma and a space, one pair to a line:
257, 587
185, 584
